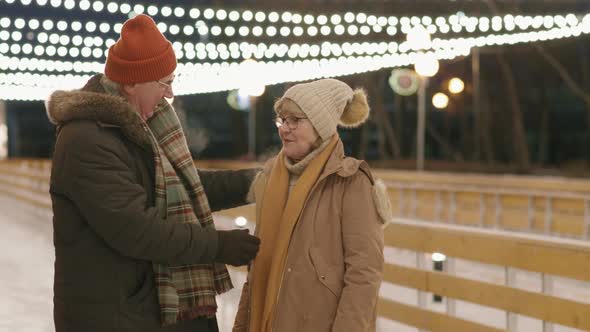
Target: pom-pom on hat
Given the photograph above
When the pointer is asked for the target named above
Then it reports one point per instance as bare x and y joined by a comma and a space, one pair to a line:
141, 54
329, 103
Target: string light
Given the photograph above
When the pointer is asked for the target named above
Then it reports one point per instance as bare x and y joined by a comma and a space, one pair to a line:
364, 63
329, 49
296, 59
194, 13
471, 25
193, 78
457, 23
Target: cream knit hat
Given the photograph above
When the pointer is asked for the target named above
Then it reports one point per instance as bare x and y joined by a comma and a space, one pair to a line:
328, 103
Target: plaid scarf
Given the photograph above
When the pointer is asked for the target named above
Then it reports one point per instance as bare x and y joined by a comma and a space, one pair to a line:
188, 291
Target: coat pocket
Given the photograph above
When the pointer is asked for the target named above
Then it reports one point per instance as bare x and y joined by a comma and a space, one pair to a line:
139, 310
330, 276
142, 297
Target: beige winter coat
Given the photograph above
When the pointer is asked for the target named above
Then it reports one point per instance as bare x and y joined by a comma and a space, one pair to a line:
335, 259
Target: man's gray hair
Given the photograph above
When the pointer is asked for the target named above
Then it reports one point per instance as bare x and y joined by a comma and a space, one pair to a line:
111, 86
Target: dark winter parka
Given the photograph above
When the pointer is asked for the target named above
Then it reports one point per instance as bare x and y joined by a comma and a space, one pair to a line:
107, 231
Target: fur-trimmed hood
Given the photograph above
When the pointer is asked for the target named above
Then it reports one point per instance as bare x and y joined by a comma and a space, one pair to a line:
93, 103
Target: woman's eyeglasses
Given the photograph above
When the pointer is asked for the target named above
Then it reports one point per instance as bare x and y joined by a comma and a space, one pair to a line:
291, 121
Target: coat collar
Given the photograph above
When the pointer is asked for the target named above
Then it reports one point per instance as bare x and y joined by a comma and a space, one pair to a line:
93, 103
338, 163
345, 166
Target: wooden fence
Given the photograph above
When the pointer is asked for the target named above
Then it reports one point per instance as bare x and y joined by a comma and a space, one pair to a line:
551, 257
553, 206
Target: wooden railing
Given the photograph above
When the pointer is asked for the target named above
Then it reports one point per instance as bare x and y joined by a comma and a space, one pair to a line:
26, 180
546, 205
551, 206
542, 205
545, 255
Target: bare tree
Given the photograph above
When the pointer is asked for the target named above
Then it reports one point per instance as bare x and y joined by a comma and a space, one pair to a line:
445, 146
484, 125
576, 88
580, 90
543, 126
398, 114
374, 83
467, 134
520, 146
387, 133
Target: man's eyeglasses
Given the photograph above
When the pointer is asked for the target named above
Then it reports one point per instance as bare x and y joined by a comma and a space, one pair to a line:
291, 121
166, 85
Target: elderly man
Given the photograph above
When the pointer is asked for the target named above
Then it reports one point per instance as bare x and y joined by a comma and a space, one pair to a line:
135, 244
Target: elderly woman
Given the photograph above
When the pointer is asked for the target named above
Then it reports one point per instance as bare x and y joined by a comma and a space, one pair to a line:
319, 218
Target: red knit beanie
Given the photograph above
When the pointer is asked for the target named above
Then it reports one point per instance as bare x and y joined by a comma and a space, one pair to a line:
141, 54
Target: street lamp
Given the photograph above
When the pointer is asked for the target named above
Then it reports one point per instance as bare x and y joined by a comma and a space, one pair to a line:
3, 131
252, 88
252, 94
426, 66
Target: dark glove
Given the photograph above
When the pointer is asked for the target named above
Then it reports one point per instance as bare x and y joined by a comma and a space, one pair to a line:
236, 247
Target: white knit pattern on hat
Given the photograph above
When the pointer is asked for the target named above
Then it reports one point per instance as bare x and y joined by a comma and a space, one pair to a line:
323, 101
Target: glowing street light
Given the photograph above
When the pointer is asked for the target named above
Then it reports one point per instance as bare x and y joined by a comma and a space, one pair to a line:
440, 101
426, 65
456, 85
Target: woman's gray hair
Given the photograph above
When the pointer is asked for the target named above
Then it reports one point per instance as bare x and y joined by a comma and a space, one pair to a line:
278, 106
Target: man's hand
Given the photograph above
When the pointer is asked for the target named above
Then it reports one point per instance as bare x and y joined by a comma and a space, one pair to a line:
236, 247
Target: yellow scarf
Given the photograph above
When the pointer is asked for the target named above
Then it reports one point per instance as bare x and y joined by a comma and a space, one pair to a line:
278, 217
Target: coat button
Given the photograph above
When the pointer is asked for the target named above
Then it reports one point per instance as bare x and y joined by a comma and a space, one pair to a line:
323, 277
289, 269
